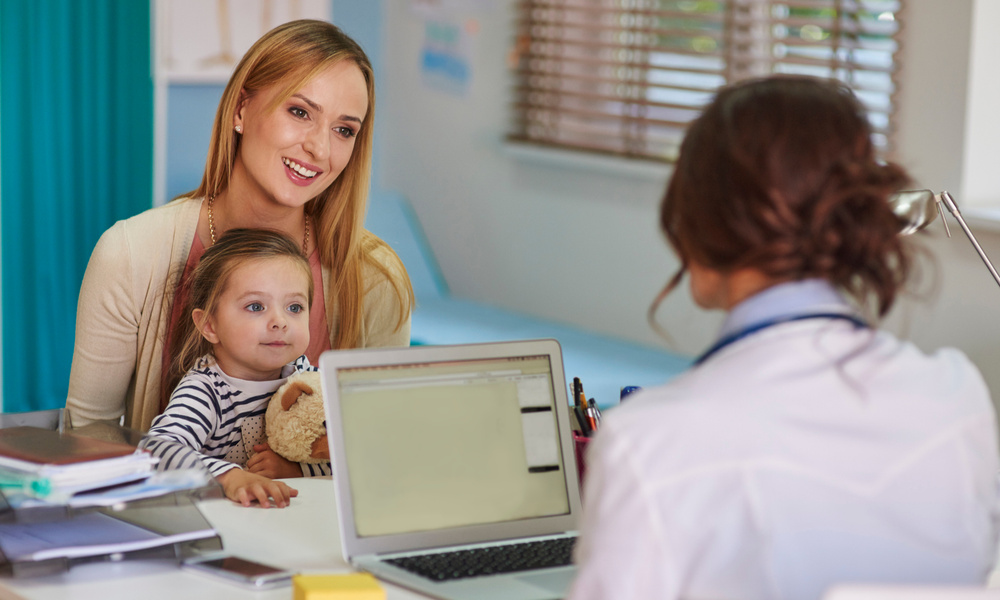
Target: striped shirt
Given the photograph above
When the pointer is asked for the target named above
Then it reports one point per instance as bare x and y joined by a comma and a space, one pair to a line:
217, 419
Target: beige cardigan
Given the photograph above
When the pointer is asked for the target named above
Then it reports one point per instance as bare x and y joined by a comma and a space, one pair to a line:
124, 307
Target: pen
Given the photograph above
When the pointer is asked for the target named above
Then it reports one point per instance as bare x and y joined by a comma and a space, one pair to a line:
577, 392
597, 412
581, 397
592, 414
582, 419
586, 411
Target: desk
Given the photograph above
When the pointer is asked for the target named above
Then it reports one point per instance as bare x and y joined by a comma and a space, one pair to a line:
303, 537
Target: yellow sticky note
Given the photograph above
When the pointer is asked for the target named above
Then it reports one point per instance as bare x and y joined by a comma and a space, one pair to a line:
351, 586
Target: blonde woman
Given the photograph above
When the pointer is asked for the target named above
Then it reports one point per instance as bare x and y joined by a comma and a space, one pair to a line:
291, 151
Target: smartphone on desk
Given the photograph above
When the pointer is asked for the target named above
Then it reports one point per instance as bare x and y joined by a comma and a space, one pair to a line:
246, 573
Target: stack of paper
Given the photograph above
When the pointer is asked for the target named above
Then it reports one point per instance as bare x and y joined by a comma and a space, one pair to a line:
45, 462
94, 534
68, 497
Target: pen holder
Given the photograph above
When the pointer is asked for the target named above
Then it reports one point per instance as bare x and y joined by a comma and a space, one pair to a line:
580, 443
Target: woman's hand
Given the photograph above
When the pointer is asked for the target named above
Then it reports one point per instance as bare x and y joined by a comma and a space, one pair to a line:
243, 487
268, 463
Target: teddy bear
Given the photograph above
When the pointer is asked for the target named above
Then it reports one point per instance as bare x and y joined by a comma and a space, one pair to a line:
295, 421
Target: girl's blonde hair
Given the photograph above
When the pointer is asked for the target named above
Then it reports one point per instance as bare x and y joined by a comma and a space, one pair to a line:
288, 56
208, 282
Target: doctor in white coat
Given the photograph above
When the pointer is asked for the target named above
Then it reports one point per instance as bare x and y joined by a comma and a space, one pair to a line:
806, 448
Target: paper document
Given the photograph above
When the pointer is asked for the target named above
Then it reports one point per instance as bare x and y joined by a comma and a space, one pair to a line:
92, 534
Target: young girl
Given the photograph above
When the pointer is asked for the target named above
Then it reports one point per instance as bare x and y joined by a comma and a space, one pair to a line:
806, 448
248, 302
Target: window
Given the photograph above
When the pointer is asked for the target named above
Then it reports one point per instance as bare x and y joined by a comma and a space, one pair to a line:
625, 77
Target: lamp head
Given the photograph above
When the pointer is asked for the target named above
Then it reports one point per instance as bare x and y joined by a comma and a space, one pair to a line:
915, 209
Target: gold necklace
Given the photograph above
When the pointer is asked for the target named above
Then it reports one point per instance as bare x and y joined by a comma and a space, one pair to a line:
211, 225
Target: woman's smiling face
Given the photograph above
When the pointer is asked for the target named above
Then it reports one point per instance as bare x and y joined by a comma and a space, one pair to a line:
293, 153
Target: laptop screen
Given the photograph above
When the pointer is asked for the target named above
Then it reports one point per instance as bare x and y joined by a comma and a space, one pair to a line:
448, 444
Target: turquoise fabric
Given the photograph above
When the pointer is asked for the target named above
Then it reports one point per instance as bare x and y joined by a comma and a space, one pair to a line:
76, 112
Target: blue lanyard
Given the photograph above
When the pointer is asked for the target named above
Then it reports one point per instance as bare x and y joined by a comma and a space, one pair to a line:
742, 333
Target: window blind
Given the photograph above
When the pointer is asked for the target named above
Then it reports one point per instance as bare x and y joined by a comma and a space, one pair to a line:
625, 77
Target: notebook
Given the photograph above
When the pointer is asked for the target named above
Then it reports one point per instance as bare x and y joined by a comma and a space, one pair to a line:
66, 462
50, 447
443, 448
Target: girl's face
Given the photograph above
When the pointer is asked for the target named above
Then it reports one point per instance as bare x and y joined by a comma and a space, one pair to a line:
261, 320
291, 154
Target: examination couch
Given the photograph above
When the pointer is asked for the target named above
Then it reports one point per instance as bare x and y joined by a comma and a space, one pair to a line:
605, 364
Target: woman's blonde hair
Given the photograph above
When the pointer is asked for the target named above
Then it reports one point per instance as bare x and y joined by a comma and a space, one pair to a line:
208, 282
288, 56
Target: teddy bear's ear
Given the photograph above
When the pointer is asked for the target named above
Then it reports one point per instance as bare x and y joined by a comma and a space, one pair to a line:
293, 392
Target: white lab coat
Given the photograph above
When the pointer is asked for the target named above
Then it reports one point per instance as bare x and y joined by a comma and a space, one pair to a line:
810, 453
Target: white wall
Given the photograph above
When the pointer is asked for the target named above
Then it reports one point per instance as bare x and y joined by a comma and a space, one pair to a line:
981, 154
580, 244
571, 243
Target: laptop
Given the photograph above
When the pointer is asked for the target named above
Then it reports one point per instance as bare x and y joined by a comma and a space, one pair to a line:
453, 454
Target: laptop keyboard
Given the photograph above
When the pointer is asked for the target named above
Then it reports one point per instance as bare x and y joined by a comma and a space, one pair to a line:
491, 560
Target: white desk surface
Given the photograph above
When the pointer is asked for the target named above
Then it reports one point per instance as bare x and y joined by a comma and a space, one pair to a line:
303, 537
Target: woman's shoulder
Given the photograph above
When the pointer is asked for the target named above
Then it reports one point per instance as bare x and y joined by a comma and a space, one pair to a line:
383, 271
181, 213
388, 294
379, 257
672, 401
856, 379
160, 234
673, 408
157, 226
668, 429
944, 378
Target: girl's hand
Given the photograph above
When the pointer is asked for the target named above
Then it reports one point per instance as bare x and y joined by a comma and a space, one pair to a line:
268, 463
243, 487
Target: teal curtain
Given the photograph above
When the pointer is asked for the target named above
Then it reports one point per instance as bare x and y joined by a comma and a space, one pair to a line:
76, 154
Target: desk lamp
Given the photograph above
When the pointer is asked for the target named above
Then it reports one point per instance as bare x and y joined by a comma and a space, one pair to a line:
917, 208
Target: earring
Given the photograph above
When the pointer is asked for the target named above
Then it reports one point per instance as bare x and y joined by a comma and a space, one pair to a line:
239, 129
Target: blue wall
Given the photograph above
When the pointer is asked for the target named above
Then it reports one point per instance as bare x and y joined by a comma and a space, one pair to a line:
190, 110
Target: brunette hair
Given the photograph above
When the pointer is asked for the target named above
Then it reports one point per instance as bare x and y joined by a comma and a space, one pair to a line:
780, 175
208, 282
288, 56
